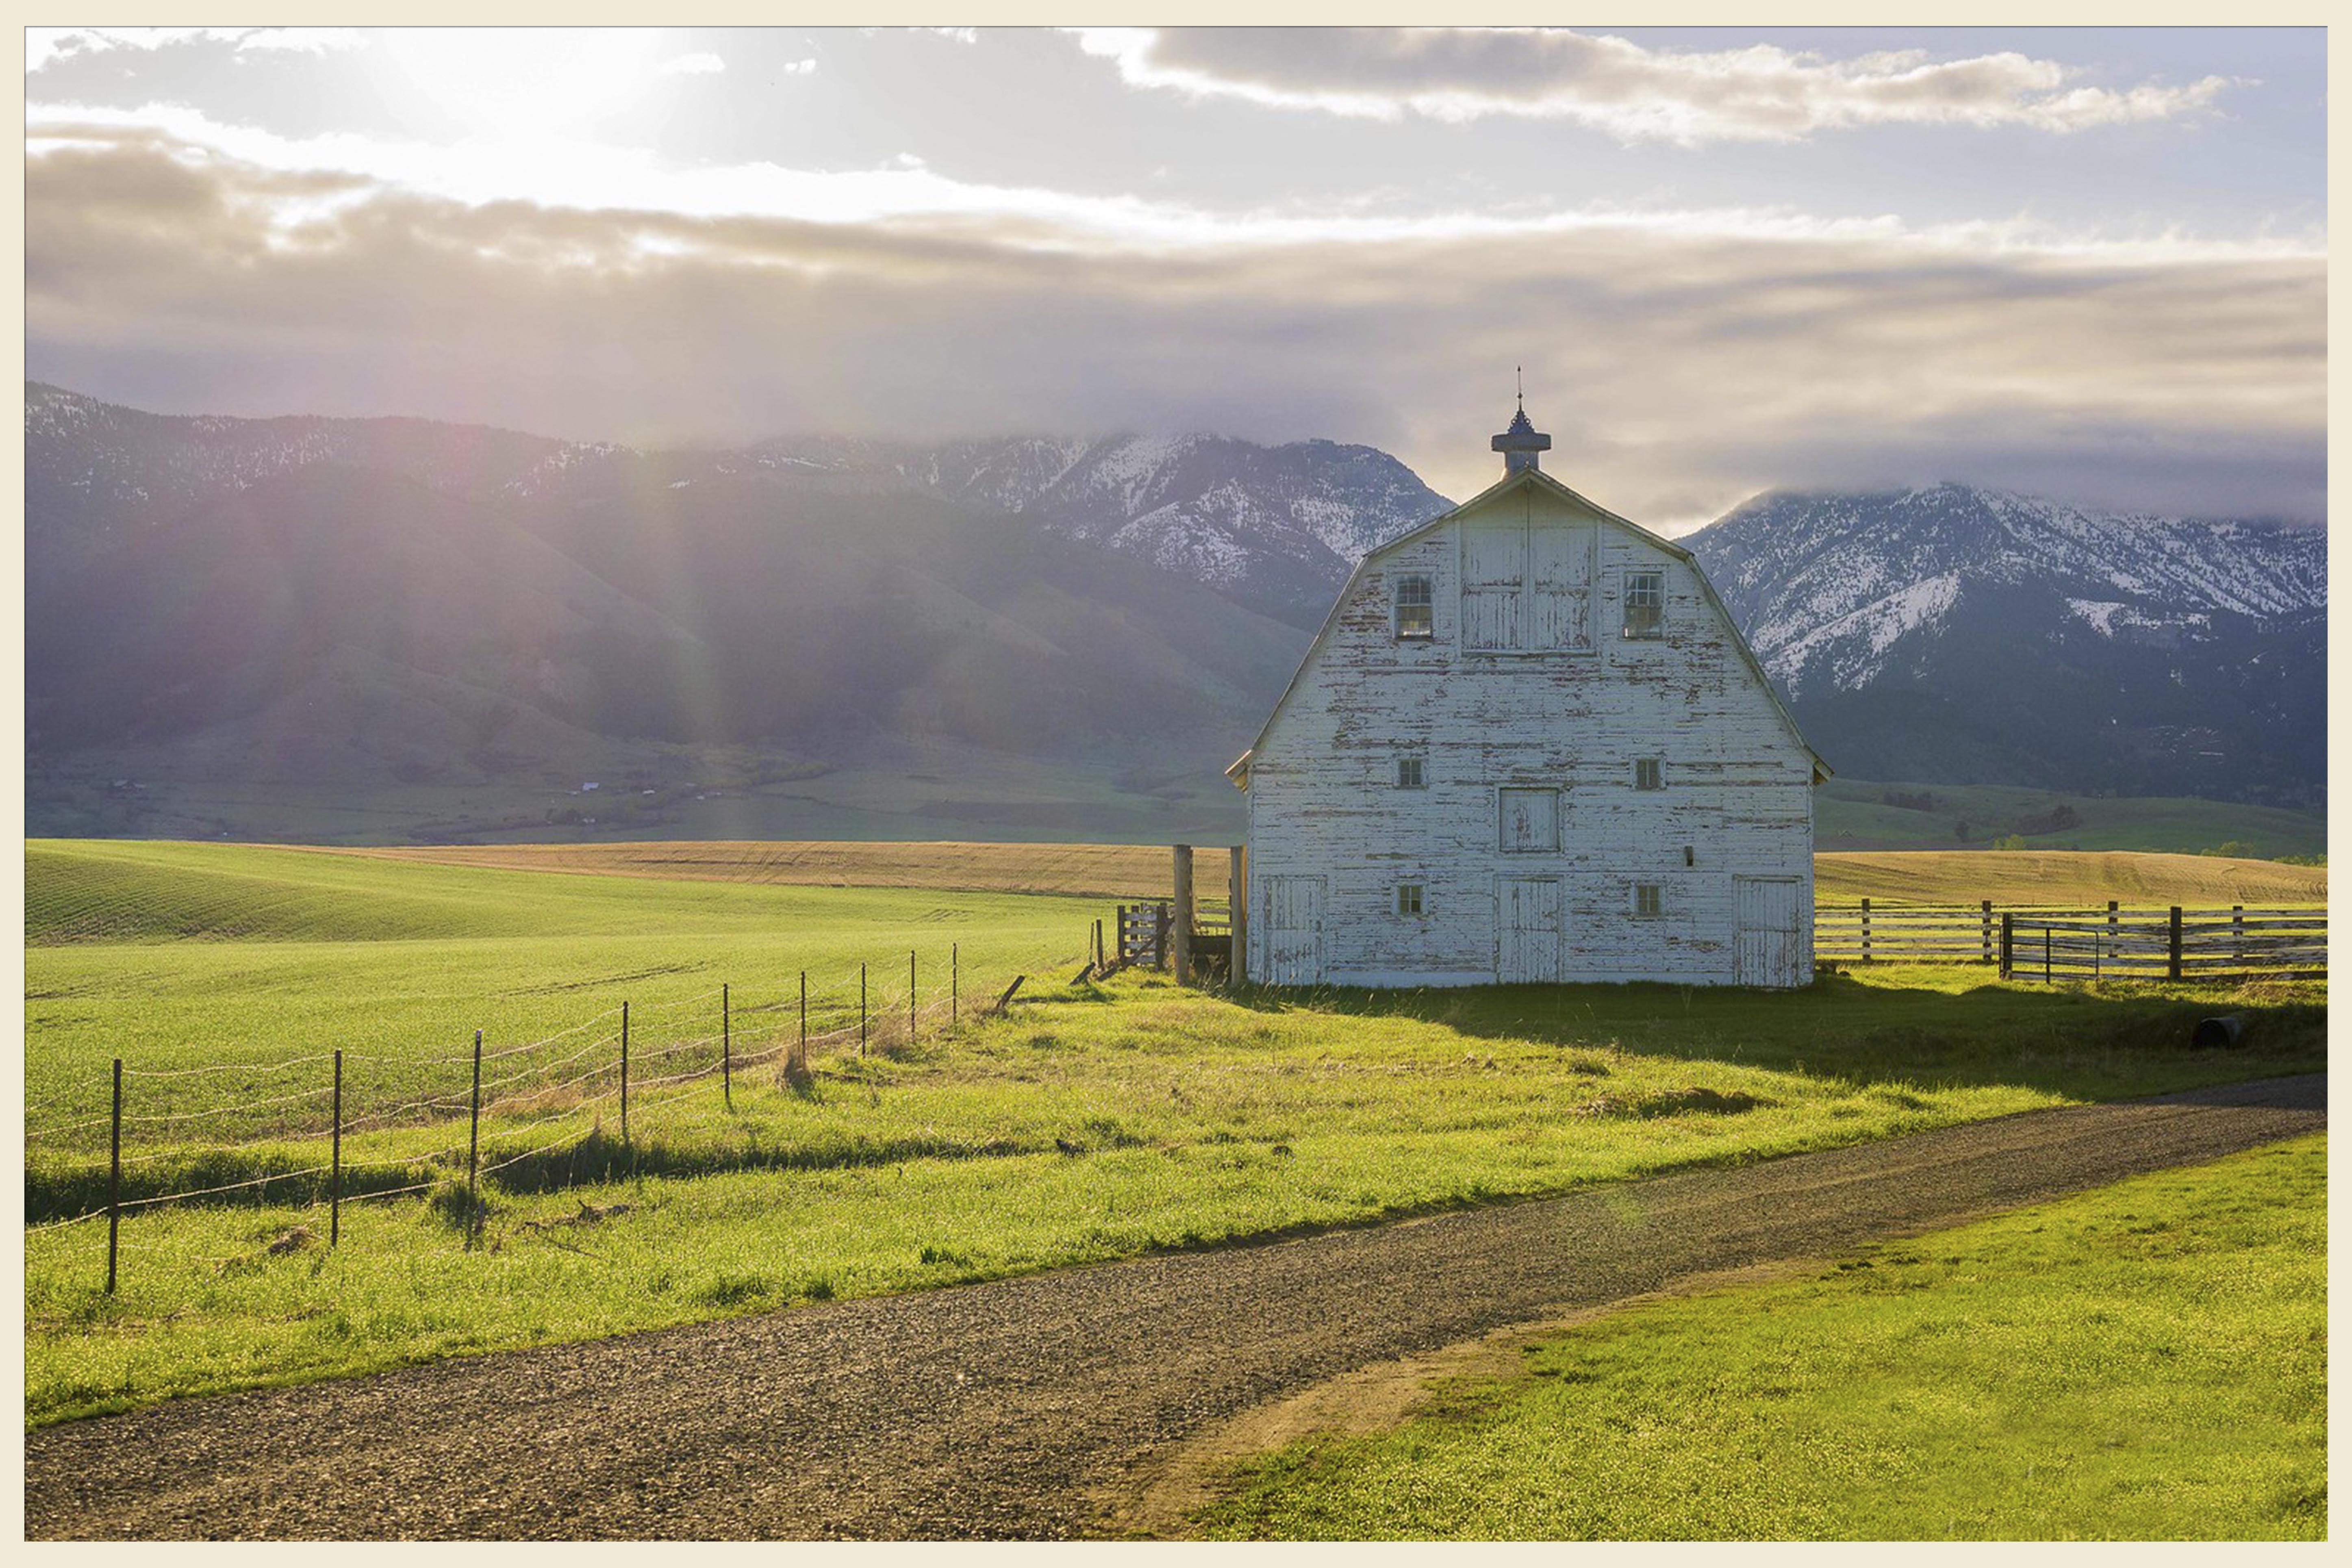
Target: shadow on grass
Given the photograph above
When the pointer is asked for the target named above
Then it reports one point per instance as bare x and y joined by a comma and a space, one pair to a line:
2111, 1042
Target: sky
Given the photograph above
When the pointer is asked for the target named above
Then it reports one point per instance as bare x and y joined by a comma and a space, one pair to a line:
2086, 263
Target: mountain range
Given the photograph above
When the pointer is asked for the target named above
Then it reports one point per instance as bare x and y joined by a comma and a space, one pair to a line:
286, 617
1965, 635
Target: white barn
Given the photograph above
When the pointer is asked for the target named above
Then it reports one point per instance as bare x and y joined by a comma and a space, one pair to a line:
1529, 744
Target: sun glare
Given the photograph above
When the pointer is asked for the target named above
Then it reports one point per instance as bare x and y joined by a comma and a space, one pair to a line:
525, 83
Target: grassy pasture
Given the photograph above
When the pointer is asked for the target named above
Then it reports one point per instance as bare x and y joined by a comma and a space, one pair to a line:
1855, 814
2146, 1361
1135, 871
1095, 1122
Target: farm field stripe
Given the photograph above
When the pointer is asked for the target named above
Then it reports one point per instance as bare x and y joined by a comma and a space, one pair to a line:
1035, 1406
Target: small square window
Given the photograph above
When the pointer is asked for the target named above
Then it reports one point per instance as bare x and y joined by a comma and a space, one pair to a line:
1409, 776
1649, 773
1646, 604
1645, 899
1414, 619
1408, 897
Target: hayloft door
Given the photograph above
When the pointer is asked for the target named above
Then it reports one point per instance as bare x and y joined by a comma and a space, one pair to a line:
1767, 935
1292, 908
1527, 930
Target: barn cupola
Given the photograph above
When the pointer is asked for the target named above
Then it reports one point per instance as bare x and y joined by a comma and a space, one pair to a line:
1520, 443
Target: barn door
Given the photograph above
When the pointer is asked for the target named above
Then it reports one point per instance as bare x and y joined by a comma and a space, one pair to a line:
1527, 930
1768, 931
1561, 558
1292, 908
1493, 566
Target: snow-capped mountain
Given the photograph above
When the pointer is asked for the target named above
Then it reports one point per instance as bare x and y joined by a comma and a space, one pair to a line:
1962, 635
1276, 528
1279, 527
1829, 587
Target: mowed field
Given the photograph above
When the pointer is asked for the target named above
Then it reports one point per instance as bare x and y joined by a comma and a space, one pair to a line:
1133, 871
1094, 1121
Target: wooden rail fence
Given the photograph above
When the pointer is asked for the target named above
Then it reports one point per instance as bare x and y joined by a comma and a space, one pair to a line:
2048, 942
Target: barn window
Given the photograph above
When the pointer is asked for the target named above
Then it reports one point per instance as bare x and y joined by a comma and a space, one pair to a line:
1409, 776
1647, 900
1408, 897
1529, 820
1414, 618
1649, 773
1646, 604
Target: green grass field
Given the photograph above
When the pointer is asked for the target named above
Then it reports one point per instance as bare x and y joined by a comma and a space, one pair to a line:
1094, 1122
1857, 814
2148, 1362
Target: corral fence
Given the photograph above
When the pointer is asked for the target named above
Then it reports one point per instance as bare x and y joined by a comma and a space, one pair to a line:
332, 1129
2069, 942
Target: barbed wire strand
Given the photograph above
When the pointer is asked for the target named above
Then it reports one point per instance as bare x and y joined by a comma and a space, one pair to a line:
228, 1067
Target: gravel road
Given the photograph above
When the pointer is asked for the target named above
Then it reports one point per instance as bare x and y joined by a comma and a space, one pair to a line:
1029, 1407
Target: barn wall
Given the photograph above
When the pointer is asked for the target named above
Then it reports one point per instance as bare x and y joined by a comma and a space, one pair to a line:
1324, 801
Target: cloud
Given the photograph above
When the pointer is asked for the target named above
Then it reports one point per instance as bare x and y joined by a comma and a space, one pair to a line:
1679, 367
44, 44
694, 65
553, 171
1759, 93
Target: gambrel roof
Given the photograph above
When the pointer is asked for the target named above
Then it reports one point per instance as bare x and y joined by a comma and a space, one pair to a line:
1525, 478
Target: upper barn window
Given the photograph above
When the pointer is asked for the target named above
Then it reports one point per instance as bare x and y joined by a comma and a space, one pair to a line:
1646, 604
1413, 616
1527, 820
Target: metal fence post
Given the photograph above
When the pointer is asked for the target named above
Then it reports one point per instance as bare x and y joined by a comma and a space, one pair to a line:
803, 1020
955, 986
861, 1009
114, 1180
910, 998
726, 1049
474, 1146
335, 1182
624, 1075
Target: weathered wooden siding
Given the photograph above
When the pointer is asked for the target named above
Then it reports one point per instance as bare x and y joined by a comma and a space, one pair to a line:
1570, 708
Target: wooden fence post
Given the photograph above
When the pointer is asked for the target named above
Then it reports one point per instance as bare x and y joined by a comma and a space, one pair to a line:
114, 1180
1237, 904
2172, 962
726, 1047
1182, 960
1984, 908
335, 1181
1865, 931
2008, 935
474, 1131
2237, 934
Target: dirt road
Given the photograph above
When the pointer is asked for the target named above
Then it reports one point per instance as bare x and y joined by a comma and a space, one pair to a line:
1034, 1407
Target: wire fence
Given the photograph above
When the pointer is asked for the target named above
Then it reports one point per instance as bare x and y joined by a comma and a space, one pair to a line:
518, 1110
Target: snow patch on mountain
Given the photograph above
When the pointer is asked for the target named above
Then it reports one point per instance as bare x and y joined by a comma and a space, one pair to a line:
1856, 642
